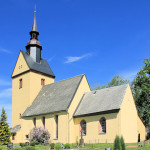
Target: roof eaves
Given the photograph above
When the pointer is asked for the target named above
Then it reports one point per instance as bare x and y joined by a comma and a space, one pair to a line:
24, 116
97, 113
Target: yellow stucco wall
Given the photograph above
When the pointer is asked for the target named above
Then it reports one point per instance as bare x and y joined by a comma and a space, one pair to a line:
21, 65
92, 134
141, 129
130, 123
23, 97
83, 87
129, 117
27, 124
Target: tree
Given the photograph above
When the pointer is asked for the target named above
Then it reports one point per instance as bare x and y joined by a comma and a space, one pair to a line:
116, 80
4, 129
123, 147
117, 144
141, 92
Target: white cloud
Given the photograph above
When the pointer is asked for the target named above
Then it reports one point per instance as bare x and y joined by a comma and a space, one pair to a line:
6, 93
130, 75
5, 50
50, 59
4, 83
71, 59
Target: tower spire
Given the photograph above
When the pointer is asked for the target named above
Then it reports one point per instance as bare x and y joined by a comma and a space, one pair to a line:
34, 26
33, 46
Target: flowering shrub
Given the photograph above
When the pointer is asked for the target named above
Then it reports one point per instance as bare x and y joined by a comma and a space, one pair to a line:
39, 135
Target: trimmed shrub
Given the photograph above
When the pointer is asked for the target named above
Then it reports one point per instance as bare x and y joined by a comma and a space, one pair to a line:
123, 147
52, 145
117, 145
39, 135
29, 148
58, 146
32, 143
22, 144
67, 145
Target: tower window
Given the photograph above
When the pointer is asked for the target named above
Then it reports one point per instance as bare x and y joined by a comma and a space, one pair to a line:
43, 120
20, 83
42, 81
34, 122
19, 116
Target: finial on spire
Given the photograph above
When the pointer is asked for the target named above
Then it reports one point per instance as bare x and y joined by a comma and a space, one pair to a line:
35, 9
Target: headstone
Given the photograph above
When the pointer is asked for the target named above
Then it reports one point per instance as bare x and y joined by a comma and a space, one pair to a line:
27, 143
60, 144
10, 145
81, 140
143, 143
109, 148
16, 146
81, 143
46, 143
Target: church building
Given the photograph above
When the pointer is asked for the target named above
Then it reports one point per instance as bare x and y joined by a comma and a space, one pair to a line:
67, 106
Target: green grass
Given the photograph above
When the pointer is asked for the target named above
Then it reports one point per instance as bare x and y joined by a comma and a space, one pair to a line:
93, 146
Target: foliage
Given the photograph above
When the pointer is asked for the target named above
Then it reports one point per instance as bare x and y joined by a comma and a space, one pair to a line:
32, 143
77, 141
4, 129
116, 80
29, 148
123, 147
17, 148
67, 145
0, 148
52, 145
117, 145
39, 135
58, 146
22, 144
141, 92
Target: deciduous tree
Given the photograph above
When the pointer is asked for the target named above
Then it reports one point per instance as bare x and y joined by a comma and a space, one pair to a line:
141, 92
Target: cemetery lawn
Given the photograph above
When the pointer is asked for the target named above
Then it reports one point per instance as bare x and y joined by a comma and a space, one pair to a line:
90, 147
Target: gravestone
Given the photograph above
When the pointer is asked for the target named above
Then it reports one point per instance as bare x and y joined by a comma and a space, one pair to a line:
10, 145
143, 143
27, 143
16, 146
46, 143
81, 140
109, 148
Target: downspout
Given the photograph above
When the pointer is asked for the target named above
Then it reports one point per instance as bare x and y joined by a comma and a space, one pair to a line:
68, 129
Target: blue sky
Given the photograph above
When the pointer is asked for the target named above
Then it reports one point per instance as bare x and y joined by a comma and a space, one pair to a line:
101, 38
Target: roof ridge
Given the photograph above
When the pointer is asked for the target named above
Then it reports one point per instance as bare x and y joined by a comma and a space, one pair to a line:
64, 80
112, 87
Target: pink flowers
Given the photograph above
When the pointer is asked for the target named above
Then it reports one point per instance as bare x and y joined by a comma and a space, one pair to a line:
39, 135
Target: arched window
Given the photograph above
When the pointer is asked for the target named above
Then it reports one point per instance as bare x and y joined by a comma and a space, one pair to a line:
102, 123
83, 127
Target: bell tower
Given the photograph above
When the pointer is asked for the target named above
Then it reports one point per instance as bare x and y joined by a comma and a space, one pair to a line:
30, 74
33, 46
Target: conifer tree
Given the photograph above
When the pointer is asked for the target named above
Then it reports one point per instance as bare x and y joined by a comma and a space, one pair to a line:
4, 129
123, 147
117, 144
